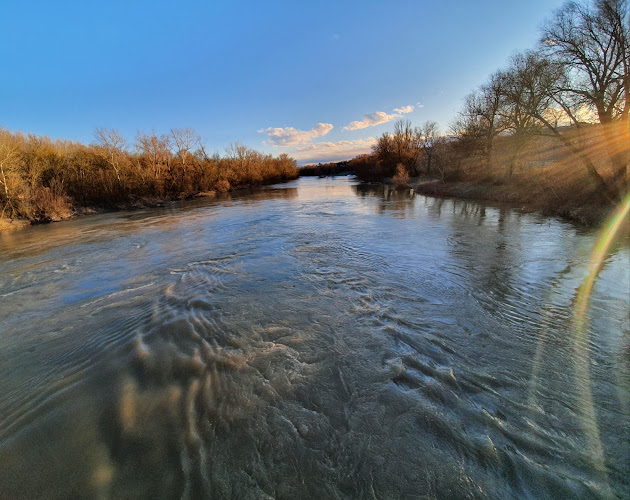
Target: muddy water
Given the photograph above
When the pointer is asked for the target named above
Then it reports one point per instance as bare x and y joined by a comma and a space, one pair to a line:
312, 340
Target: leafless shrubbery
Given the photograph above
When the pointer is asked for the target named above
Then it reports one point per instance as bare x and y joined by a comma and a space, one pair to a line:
41, 179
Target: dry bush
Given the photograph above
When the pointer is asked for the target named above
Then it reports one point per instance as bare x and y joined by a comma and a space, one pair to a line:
222, 186
42, 179
401, 179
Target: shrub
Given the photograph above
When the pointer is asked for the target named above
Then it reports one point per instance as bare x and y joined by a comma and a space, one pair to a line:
222, 186
401, 179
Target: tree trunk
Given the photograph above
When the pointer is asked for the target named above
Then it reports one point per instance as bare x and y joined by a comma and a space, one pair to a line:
520, 140
618, 142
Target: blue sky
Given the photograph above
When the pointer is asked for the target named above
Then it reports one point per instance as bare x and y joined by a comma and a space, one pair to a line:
316, 80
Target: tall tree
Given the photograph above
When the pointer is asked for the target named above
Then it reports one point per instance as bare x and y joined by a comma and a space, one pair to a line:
9, 178
479, 121
185, 142
593, 43
535, 85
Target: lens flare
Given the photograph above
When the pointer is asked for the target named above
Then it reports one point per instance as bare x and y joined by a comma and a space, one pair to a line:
613, 231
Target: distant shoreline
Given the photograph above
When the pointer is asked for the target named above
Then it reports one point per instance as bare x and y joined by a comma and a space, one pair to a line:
46, 180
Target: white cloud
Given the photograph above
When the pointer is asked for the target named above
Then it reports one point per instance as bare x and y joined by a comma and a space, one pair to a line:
289, 136
404, 110
372, 119
332, 151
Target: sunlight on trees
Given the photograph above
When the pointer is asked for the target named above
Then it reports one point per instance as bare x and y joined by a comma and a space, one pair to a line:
549, 129
579, 72
42, 179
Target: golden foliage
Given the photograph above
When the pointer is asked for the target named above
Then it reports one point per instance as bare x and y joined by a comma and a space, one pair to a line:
42, 179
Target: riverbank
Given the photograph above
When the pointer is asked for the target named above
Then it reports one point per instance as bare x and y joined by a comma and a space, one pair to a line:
15, 224
46, 180
585, 213
580, 208
539, 174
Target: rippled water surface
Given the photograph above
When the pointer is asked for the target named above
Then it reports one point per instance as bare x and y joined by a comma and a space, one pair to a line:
317, 339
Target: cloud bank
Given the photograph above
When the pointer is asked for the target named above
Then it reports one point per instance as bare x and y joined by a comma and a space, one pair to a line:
373, 119
289, 136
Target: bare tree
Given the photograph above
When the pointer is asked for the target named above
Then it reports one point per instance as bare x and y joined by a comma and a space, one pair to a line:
489, 109
156, 151
186, 141
429, 136
112, 146
241, 157
535, 85
287, 165
527, 92
479, 121
403, 146
594, 45
9, 159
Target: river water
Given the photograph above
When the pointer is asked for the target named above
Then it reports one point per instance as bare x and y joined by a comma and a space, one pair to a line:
317, 339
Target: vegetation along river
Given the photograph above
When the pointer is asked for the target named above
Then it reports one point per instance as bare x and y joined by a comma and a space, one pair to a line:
317, 339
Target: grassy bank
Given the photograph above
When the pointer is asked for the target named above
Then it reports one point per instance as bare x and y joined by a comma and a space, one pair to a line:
589, 214
540, 175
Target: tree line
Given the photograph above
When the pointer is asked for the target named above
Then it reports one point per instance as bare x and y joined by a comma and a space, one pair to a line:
325, 169
573, 86
43, 179
413, 150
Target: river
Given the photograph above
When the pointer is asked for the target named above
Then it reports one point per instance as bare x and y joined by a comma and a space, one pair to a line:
316, 339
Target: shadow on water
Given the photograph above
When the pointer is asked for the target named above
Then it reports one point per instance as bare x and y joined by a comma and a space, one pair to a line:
252, 195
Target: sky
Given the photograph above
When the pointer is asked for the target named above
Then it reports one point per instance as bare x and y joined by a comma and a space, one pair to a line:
319, 81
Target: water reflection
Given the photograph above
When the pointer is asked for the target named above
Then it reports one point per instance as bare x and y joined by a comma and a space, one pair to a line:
391, 199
